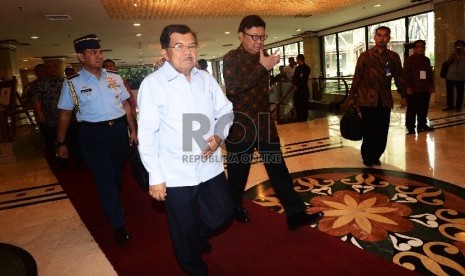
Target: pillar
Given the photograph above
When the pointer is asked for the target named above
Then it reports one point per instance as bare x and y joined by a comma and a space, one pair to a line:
449, 27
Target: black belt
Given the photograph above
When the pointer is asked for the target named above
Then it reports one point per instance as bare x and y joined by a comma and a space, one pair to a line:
106, 123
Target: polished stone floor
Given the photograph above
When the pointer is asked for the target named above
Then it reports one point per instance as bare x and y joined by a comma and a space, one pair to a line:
36, 215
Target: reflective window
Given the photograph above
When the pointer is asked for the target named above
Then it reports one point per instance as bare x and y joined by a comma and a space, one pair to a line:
351, 45
330, 59
342, 50
291, 50
421, 26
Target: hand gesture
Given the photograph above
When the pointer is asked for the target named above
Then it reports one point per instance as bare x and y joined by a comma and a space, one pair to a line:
269, 61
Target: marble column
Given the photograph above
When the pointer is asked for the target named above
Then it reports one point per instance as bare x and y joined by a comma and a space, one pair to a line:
9, 65
449, 27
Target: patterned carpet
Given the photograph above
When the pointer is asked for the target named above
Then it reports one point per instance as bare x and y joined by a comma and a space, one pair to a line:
414, 221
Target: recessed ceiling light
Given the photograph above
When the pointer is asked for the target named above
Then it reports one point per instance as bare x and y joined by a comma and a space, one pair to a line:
136, 24
34, 37
377, 6
138, 34
227, 32
298, 30
25, 60
275, 37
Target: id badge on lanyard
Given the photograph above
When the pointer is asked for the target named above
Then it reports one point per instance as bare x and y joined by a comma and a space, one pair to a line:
387, 69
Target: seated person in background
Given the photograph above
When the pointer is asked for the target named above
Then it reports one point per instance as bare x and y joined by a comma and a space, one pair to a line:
110, 65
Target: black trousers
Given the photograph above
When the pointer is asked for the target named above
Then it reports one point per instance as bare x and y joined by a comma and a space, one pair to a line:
417, 110
105, 149
195, 213
375, 131
459, 86
301, 98
239, 157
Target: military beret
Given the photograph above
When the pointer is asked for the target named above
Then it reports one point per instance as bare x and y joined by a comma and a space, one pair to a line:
86, 42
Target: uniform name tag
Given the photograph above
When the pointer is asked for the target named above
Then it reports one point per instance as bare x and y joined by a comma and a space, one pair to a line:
422, 75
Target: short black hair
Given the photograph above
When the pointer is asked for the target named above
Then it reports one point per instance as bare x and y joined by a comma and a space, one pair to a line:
38, 67
107, 61
251, 21
459, 42
174, 28
419, 41
383, 28
202, 64
301, 57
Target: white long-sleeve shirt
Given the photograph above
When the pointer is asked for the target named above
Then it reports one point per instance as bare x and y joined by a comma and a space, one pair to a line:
173, 114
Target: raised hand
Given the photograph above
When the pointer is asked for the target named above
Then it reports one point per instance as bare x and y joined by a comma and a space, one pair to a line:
269, 61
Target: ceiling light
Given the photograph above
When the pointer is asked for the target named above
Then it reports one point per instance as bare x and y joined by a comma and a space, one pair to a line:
34, 37
25, 60
377, 6
136, 24
298, 30
138, 34
58, 17
227, 32
126, 9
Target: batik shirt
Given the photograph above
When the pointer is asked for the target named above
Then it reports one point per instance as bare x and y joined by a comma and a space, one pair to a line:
373, 76
247, 87
418, 74
47, 92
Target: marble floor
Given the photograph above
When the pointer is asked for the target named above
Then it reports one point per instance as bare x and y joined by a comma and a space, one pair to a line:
36, 215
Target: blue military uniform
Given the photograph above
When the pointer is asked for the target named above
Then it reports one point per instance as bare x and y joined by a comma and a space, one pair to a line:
103, 134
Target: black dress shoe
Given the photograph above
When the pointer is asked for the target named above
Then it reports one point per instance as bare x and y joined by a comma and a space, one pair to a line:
410, 132
367, 163
122, 235
377, 163
425, 128
240, 214
447, 109
302, 219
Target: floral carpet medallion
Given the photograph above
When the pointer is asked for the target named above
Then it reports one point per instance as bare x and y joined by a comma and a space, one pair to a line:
414, 221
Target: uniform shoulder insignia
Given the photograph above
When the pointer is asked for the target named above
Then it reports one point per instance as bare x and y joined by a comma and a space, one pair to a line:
113, 72
72, 76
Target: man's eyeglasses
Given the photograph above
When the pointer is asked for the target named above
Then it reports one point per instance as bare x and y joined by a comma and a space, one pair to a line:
256, 37
181, 47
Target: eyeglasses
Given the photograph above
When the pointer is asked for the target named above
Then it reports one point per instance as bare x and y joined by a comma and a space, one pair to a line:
181, 47
256, 37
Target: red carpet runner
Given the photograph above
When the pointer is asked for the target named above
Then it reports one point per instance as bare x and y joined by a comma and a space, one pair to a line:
263, 247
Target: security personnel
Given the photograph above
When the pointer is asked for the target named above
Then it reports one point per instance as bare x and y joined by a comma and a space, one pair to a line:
100, 100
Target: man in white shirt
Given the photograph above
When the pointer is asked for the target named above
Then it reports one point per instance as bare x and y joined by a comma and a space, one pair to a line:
290, 68
183, 118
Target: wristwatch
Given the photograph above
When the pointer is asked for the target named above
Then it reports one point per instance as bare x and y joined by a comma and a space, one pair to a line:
59, 144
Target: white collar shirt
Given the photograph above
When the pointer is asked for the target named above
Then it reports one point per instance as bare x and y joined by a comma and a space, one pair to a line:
171, 110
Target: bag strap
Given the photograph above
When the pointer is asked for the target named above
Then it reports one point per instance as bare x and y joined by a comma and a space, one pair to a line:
73, 95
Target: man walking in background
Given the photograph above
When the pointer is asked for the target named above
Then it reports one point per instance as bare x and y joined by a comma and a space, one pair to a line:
371, 91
